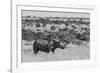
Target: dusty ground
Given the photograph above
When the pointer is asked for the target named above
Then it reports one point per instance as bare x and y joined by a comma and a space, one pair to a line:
71, 52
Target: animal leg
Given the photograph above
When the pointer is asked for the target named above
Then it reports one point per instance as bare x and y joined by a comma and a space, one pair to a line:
36, 51
53, 50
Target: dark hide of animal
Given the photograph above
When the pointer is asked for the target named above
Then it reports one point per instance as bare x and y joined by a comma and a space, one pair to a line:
40, 45
46, 46
56, 44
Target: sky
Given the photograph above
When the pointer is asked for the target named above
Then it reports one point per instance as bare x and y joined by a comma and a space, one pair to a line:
54, 14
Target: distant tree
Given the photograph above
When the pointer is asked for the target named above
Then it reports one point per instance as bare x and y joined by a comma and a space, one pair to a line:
53, 28
26, 20
37, 25
28, 16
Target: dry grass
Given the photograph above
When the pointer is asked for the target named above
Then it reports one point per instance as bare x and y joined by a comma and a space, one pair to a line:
71, 52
